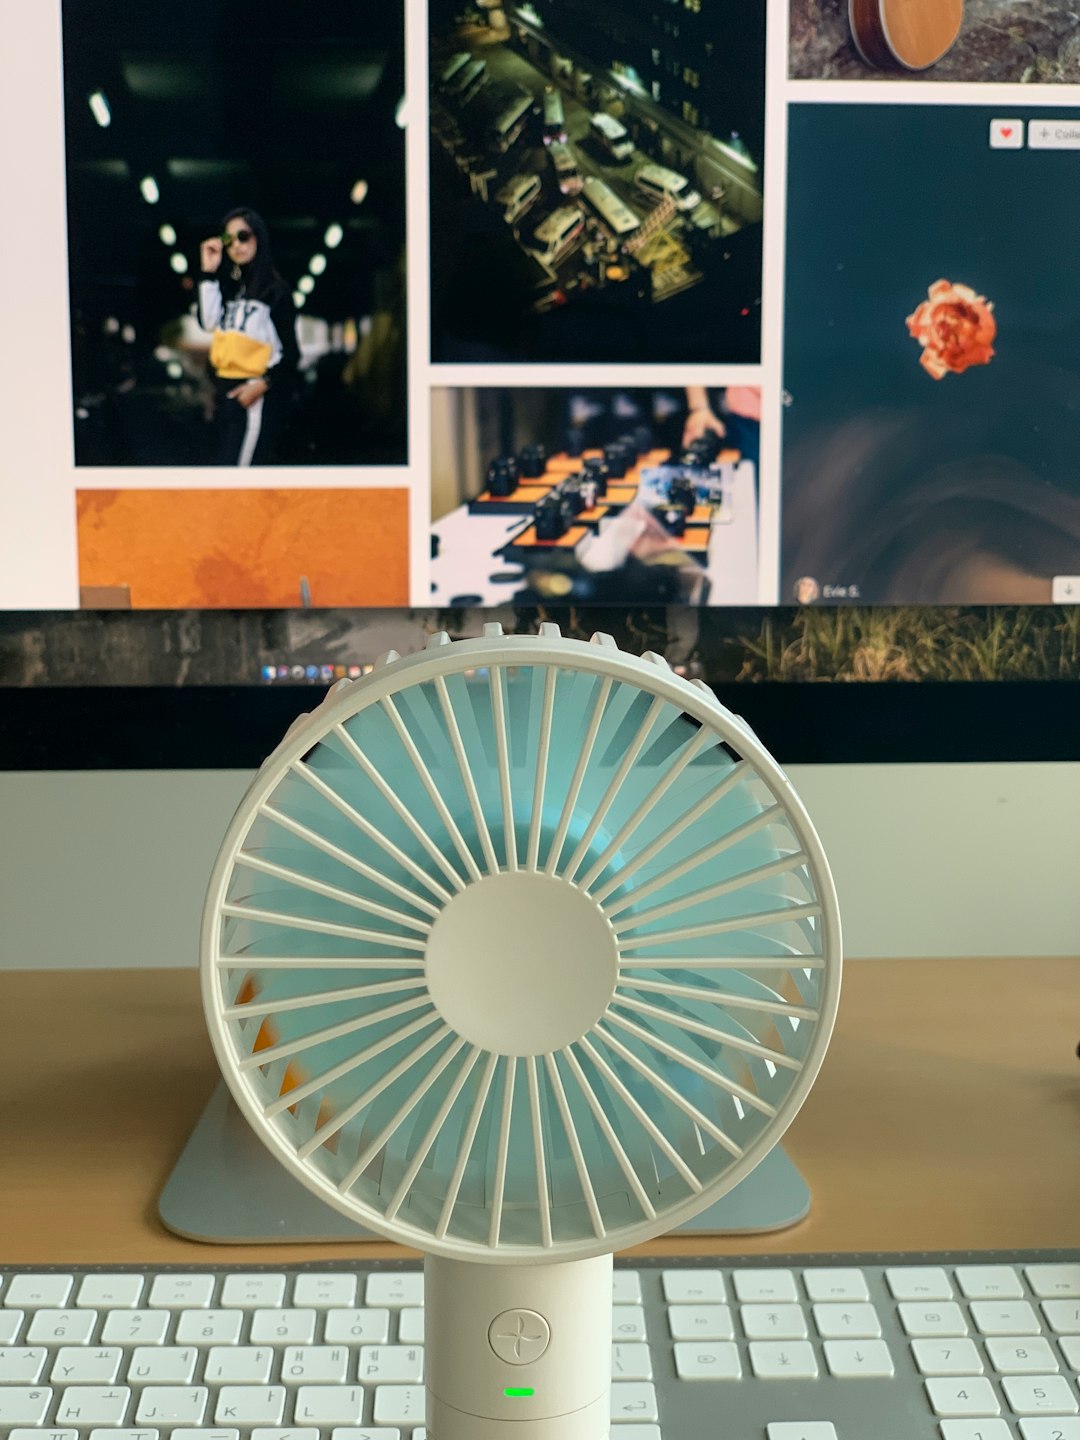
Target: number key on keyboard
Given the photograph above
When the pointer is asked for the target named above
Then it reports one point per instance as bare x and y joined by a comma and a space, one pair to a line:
1040, 1395
947, 1357
966, 1395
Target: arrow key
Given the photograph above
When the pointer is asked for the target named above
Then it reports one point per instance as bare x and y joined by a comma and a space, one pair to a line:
783, 1360
847, 1358
633, 1401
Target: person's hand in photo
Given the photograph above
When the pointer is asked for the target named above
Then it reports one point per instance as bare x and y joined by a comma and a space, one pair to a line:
700, 418
210, 252
248, 392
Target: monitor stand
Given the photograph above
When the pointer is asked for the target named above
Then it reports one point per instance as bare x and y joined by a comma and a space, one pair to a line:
227, 1188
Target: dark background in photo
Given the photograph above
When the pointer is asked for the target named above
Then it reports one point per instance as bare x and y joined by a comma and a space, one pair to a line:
963, 490
688, 85
285, 108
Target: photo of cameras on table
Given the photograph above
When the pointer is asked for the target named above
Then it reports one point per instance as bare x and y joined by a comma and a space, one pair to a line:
643, 496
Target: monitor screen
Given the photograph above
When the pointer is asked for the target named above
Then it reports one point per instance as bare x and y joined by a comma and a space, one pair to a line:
748, 338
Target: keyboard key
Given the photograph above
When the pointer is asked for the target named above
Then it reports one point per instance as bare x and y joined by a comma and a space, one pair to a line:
631, 1362
847, 1322
1040, 1395
239, 1365
1005, 1317
61, 1327
701, 1322
695, 1361
1063, 1316
634, 1401
211, 1327
839, 1284
24, 1405
22, 1366
127, 1433
940, 1319
975, 1430
1021, 1356
85, 1405
10, 1325
989, 1282
1029, 1429
1070, 1348
410, 1326
324, 1292
20, 1434
627, 1323
394, 1289
38, 1292
330, 1405
379, 1432
86, 1365
626, 1287
110, 1292
918, 1282
773, 1322
250, 1405
358, 1327
399, 1404
850, 1359
783, 1360
801, 1430
281, 1327
181, 1292
947, 1357
162, 1365
315, 1365
251, 1291
1051, 1282
693, 1287
285, 1432
767, 1286
172, 1404
966, 1395
207, 1433
135, 1327
391, 1364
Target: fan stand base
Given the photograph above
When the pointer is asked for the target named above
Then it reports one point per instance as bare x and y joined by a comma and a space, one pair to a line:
226, 1188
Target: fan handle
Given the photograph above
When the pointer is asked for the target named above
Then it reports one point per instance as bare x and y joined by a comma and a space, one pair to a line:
557, 1318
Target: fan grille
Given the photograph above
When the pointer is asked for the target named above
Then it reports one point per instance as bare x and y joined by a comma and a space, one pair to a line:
596, 780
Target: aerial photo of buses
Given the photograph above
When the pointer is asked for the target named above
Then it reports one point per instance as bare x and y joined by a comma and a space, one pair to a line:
595, 182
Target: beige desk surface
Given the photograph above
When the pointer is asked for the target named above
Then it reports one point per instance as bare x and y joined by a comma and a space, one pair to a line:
947, 1115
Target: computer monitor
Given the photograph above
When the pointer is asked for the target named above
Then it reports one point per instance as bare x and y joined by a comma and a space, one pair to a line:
327, 329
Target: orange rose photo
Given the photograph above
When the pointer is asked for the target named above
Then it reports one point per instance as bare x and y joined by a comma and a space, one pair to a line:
956, 329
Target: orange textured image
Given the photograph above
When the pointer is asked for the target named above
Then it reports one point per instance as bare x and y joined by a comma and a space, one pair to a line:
955, 327
234, 549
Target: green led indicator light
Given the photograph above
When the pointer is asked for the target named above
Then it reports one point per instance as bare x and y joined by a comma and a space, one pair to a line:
519, 1390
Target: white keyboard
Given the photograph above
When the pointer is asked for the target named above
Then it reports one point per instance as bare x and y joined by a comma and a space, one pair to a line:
838, 1348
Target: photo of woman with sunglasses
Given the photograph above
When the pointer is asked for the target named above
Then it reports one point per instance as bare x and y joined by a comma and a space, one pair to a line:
249, 309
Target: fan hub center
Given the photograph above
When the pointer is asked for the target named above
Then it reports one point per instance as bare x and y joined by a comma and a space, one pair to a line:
522, 964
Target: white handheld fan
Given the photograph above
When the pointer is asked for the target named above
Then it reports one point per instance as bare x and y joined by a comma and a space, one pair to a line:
520, 951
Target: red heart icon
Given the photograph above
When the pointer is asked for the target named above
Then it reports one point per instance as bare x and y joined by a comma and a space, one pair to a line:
1006, 131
